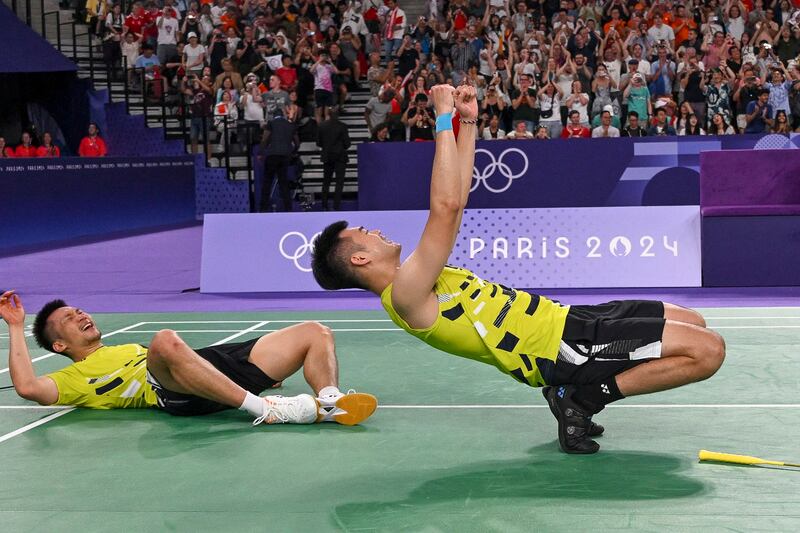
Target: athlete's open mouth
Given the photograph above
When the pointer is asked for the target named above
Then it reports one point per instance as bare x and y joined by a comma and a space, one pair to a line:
88, 325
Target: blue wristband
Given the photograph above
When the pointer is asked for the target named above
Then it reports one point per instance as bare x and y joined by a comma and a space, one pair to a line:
444, 122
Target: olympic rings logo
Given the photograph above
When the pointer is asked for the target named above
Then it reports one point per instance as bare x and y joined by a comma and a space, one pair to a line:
295, 254
495, 166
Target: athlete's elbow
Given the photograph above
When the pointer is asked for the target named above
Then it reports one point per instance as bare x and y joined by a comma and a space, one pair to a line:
29, 393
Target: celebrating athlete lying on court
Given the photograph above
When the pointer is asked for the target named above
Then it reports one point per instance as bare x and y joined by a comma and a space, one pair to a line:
171, 376
585, 356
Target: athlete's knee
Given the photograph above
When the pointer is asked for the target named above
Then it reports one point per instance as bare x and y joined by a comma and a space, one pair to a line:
165, 344
696, 318
683, 314
318, 333
713, 355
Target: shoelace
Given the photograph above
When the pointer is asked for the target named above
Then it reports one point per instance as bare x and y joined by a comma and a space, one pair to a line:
273, 413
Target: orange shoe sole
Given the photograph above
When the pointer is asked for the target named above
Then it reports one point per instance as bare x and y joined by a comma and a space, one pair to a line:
358, 406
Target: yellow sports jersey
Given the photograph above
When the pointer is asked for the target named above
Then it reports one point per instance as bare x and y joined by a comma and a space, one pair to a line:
113, 377
490, 323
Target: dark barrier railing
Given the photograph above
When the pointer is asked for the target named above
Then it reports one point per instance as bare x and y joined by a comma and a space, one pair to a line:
57, 15
246, 134
88, 35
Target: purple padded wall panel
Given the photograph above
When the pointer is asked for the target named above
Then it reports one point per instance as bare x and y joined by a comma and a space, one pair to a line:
751, 251
52, 200
737, 179
525, 248
556, 173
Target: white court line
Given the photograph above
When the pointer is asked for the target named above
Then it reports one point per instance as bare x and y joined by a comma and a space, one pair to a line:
51, 407
613, 406
336, 320
253, 330
752, 317
523, 406
271, 321
38, 423
243, 332
116, 332
350, 330
754, 327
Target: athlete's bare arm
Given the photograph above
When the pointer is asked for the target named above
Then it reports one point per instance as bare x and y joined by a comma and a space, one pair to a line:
42, 390
412, 292
467, 105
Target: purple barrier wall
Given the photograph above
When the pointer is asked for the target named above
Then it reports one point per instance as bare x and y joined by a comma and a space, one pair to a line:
750, 182
751, 251
525, 248
51, 200
554, 173
750, 202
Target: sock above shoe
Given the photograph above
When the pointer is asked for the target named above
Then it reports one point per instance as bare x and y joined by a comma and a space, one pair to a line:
328, 395
594, 397
253, 404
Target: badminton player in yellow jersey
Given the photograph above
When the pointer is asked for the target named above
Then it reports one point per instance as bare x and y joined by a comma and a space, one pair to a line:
584, 356
175, 378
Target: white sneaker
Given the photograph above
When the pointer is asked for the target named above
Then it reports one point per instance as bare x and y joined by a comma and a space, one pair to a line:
301, 409
347, 409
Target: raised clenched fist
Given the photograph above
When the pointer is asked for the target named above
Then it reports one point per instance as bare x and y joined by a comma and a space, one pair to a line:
442, 96
466, 102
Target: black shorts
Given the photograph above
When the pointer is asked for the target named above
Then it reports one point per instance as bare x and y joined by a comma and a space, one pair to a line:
600, 341
323, 98
231, 360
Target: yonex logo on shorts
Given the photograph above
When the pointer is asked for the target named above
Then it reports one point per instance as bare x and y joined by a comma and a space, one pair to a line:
295, 246
502, 165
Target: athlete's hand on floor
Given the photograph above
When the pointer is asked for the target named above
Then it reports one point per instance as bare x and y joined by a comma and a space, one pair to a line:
442, 96
11, 309
466, 102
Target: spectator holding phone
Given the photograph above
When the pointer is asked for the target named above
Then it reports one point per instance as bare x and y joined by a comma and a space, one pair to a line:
323, 72
419, 119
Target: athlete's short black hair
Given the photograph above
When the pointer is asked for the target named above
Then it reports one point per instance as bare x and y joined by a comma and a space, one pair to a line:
330, 260
40, 332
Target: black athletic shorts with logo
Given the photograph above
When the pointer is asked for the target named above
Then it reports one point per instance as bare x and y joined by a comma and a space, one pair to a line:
600, 341
231, 360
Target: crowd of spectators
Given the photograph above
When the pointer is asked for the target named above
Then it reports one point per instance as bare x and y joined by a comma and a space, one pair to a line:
30, 145
585, 68
568, 68
28, 148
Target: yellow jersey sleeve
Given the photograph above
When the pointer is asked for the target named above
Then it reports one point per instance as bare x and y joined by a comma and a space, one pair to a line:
72, 386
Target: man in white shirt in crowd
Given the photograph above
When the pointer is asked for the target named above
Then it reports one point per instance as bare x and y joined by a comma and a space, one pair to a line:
605, 129
393, 29
167, 35
662, 32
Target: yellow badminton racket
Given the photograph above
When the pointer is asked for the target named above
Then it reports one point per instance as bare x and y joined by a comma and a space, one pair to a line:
720, 457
